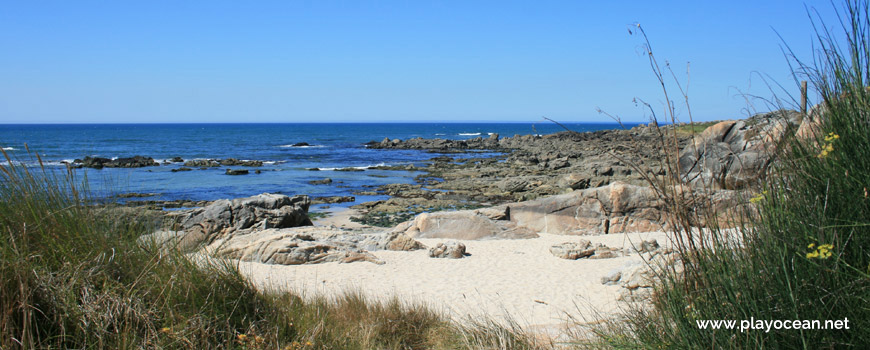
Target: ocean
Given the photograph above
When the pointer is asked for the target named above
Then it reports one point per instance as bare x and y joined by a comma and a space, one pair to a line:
286, 168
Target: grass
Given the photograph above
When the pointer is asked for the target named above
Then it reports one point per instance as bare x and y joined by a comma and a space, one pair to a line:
74, 274
691, 129
806, 245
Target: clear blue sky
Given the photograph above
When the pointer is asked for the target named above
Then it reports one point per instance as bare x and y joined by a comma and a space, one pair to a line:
325, 61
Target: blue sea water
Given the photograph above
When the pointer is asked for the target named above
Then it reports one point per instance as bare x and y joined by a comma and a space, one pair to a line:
286, 170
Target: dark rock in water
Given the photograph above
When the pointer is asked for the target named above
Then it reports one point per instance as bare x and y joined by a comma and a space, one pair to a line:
181, 169
236, 162
137, 195
176, 160
325, 181
313, 169
225, 162
236, 172
300, 144
202, 163
131, 162
258, 172
333, 199
349, 169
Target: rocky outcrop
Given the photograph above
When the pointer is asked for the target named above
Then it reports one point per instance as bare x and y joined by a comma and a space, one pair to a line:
223, 217
493, 223
333, 199
733, 154
131, 162
450, 250
236, 172
291, 247
615, 208
210, 163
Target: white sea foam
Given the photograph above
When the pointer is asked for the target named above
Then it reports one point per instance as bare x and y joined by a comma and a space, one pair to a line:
309, 146
469, 134
9, 149
440, 134
352, 167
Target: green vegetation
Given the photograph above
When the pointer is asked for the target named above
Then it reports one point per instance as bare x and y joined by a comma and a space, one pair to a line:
76, 275
317, 215
691, 129
806, 246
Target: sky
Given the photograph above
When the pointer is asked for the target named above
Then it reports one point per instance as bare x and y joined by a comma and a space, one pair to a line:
389, 61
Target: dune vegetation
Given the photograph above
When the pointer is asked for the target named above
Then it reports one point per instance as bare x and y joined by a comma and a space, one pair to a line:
803, 251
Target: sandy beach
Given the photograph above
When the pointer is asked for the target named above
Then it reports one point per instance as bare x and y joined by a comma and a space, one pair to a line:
518, 280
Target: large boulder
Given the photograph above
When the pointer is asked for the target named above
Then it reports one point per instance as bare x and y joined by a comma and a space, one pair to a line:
291, 247
733, 154
491, 223
615, 208
223, 217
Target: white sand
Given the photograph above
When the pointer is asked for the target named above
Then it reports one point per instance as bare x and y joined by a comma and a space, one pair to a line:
339, 217
517, 279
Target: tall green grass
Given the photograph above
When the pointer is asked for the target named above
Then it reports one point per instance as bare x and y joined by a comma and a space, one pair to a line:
805, 253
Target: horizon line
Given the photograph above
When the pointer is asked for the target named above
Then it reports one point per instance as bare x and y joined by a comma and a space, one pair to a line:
336, 122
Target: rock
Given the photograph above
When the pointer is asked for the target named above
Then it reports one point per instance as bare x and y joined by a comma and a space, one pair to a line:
300, 144
402, 242
575, 181
332, 199
236, 162
572, 250
289, 248
325, 181
202, 163
181, 169
615, 208
176, 160
467, 225
450, 250
351, 169
734, 154
236, 172
211, 163
132, 162
648, 246
137, 195
224, 217
513, 185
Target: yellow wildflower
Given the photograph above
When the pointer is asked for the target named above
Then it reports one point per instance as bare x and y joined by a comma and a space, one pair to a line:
823, 251
258, 339
242, 337
164, 330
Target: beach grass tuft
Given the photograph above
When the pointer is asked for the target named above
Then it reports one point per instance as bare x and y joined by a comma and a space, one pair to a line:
803, 252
